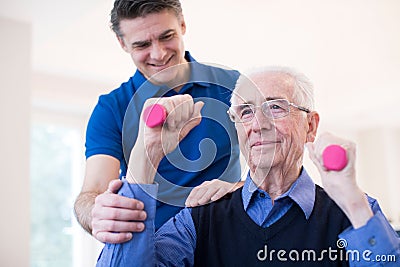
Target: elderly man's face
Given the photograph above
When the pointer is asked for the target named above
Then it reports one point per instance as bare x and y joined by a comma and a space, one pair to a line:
266, 142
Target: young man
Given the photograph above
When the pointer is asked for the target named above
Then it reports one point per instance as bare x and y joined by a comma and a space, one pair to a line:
152, 33
279, 217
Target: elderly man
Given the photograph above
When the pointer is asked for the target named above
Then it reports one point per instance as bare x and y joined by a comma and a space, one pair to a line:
279, 217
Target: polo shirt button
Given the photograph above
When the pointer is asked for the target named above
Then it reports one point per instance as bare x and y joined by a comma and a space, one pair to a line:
372, 241
262, 195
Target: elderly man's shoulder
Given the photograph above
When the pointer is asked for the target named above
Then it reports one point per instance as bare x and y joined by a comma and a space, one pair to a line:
325, 207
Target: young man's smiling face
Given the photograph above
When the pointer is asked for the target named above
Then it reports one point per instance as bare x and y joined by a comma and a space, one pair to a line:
155, 43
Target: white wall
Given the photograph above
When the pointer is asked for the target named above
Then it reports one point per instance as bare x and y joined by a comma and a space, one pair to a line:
15, 71
379, 170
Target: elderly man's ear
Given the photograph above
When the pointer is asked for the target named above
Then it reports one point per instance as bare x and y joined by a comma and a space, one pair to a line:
313, 121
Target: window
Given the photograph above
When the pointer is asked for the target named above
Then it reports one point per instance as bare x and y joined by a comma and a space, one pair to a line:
52, 165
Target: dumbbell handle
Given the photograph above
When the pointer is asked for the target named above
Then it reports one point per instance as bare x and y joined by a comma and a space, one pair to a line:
154, 115
334, 158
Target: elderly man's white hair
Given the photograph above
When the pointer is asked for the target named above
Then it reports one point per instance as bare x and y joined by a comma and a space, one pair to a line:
303, 88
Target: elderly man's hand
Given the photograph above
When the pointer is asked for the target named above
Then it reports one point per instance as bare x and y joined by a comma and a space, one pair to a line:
114, 217
341, 186
183, 116
154, 143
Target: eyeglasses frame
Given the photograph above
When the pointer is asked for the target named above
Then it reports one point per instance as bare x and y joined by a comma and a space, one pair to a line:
231, 116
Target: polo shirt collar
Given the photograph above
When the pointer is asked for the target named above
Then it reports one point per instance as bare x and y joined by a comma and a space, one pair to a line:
148, 90
197, 72
301, 192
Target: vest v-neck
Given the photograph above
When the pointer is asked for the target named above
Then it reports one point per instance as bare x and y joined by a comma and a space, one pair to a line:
255, 230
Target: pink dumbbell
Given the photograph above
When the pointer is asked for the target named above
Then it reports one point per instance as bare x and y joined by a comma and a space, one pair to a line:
334, 158
154, 115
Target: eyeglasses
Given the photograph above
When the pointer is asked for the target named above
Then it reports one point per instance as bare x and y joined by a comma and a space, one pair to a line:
272, 109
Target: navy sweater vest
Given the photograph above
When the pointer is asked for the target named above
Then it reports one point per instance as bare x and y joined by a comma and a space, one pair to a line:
227, 236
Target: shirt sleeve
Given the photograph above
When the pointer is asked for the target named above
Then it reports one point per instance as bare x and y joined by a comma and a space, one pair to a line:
176, 241
172, 245
374, 244
139, 251
103, 132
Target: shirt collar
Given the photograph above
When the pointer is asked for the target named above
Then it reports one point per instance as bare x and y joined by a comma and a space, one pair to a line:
197, 72
148, 90
301, 192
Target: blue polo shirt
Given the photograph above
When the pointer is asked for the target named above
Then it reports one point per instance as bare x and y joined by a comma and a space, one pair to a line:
208, 152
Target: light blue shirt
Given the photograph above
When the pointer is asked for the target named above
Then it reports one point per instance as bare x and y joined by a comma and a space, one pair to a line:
175, 242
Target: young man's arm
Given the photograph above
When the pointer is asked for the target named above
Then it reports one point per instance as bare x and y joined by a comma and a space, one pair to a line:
109, 217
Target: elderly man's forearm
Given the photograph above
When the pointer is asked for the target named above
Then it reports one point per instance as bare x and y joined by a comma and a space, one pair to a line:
143, 164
